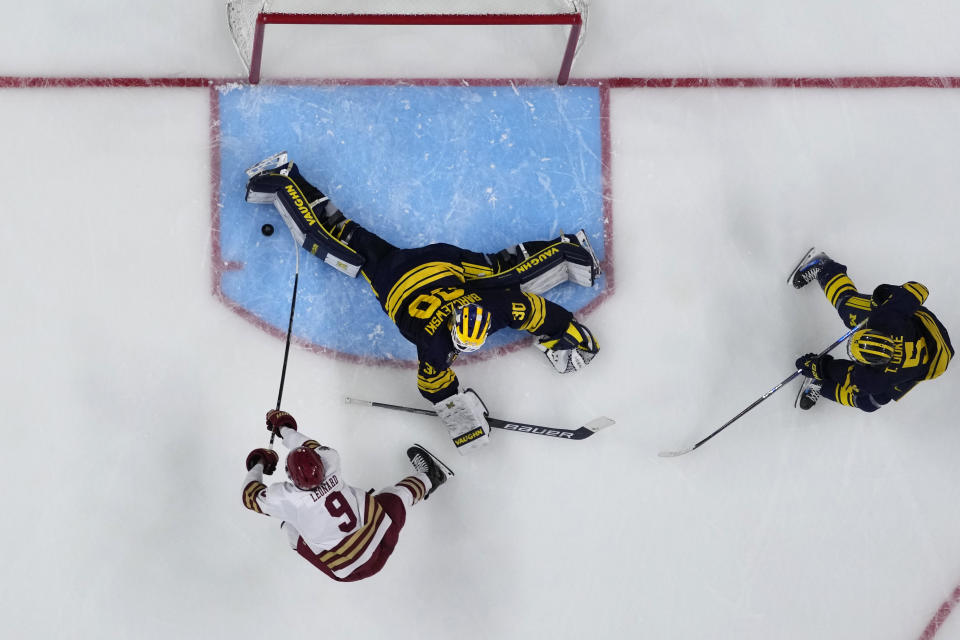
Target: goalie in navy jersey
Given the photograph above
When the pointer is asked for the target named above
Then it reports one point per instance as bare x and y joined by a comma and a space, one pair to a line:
444, 299
343, 531
902, 343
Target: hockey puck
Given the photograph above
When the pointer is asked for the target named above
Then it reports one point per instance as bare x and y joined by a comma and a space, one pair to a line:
267, 229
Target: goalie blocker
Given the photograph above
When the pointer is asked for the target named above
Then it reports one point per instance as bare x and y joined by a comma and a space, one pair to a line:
465, 417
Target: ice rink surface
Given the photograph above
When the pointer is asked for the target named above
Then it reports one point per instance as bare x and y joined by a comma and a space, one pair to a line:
132, 394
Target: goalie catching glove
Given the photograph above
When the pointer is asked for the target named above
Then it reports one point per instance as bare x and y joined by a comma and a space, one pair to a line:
572, 350
465, 416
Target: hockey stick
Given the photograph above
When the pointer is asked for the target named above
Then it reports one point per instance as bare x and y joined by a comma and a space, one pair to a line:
673, 454
286, 349
580, 433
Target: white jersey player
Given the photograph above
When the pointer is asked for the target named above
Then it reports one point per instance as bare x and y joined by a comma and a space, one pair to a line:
344, 531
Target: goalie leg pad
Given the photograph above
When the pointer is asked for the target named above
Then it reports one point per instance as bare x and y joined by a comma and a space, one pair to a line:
268, 176
263, 184
541, 280
334, 253
262, 187
536, 267
315, 223
569, 258
465, 417
305, 226
540, 265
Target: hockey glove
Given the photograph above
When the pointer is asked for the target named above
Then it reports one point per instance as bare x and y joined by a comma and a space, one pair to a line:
277, 419
814, 366
572, 350
267, 457
466, 419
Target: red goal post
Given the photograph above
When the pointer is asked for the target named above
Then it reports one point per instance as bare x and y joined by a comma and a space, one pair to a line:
247, 19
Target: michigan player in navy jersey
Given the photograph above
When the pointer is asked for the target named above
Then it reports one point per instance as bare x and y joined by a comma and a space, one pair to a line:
902, 343
444, 299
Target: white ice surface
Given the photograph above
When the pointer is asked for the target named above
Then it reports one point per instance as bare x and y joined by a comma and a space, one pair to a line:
131, 396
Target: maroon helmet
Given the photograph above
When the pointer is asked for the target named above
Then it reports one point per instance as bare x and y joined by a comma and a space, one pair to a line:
305, 468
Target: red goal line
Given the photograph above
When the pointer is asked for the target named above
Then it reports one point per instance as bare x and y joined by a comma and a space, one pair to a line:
811, 82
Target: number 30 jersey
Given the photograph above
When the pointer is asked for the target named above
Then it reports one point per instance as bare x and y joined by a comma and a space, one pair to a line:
341, 524
419, 288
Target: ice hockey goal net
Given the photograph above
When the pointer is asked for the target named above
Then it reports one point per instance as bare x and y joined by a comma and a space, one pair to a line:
248, 19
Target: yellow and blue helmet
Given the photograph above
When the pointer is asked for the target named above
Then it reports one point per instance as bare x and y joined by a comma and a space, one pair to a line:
469, 327
867, 346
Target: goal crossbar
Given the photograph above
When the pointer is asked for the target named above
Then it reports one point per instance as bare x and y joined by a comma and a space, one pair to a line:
573, 19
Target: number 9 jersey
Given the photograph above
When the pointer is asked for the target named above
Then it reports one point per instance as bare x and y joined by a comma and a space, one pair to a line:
345, 532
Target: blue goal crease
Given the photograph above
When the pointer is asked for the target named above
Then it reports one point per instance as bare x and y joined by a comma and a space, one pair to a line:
480, 167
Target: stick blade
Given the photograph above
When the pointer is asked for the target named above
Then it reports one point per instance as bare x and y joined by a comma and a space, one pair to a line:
589, 428
674, 454
599, 423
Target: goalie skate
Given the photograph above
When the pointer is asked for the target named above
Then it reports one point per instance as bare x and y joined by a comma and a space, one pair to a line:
576, 271
581, 237
261, 196
274, 161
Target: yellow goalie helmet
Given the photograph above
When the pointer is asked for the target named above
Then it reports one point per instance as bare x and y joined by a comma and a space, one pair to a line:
469, 327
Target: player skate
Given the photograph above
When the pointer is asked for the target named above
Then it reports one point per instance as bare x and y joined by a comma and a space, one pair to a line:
425, 462
808, 268
810, 393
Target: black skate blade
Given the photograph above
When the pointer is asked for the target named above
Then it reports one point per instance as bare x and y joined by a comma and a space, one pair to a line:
803, 261
796, 401
443, 464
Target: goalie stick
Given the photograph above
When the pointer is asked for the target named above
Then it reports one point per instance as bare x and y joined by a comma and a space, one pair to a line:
580, 433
